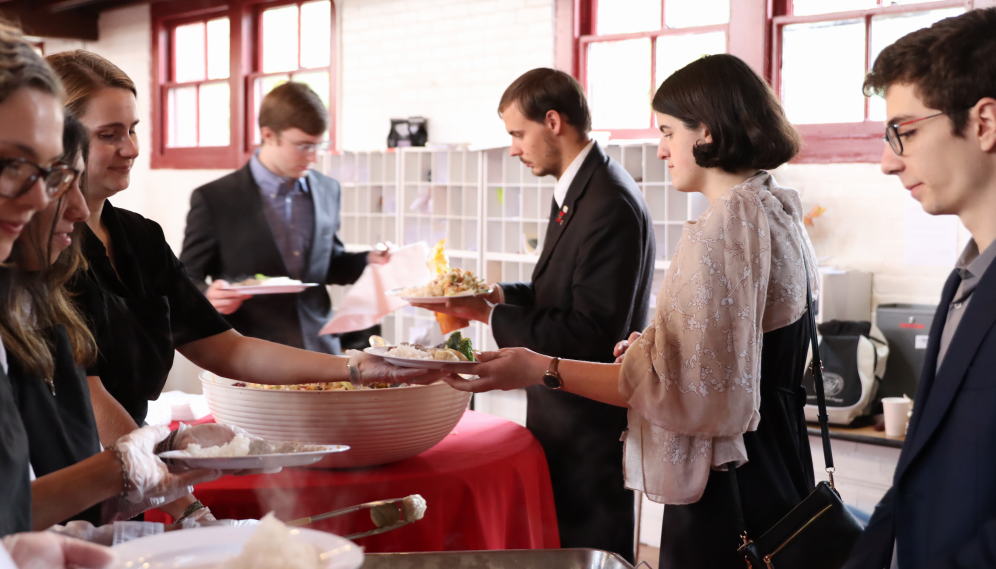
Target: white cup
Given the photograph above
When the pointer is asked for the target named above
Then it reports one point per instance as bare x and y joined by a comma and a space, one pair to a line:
896, 410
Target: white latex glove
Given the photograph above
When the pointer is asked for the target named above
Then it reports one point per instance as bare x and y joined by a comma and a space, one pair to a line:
108, 534
48, 550
188, 523
152, 484
373, 369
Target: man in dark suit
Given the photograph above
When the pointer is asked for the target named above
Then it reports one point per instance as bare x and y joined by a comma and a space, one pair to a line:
591, 288
939, 85
275, 216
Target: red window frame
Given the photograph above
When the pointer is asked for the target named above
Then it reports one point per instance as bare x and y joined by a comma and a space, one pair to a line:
754, 35
586, 40
244, 29
746, 37
258, 73
844, 142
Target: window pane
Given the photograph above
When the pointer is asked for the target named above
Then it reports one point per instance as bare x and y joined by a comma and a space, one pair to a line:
182, 117
188, 53
626, 16
280, 39
215, 114
675, 52
885, 30
619, 84
690, 13
316, 34
218, 48
318, 81
822, 84
263, 86
808, 7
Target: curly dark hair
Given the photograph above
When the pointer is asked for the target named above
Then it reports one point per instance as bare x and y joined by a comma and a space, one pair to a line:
749, 128
951, 64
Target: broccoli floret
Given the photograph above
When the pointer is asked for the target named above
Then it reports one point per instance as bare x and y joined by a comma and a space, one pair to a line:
457, 342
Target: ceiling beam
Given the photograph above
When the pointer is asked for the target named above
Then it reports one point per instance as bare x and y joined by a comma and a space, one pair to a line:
75, 24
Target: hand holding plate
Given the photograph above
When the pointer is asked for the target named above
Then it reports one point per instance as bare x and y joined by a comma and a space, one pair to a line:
506, 369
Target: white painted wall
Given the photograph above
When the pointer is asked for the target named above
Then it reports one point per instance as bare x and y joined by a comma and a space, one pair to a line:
447, 60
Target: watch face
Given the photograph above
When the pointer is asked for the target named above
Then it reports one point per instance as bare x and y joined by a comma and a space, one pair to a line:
552, 381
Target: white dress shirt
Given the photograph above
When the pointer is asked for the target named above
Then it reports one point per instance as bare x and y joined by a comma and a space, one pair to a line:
559, 194
564, 183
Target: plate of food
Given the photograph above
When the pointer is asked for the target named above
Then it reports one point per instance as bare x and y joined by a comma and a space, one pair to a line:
453, 283
457, 353
262, 284
448, 283
243, 453
269, 545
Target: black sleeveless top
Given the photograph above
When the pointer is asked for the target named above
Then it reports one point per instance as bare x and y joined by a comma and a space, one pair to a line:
142, 311
15, 484
60, 426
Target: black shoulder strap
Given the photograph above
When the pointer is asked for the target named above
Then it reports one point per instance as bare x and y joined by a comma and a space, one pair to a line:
817, 367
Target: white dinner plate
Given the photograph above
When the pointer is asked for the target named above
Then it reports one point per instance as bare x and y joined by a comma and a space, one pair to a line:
210, 547
459, 367
252, 461
431, 299
270, 289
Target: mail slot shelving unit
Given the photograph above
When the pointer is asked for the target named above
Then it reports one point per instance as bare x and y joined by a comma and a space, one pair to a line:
490, 208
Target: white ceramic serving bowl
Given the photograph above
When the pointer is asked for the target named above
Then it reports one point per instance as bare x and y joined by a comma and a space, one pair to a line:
379, 425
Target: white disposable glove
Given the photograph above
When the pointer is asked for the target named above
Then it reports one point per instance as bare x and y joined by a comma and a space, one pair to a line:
152, 484
189, 523
48, 550
108, 534
366, 368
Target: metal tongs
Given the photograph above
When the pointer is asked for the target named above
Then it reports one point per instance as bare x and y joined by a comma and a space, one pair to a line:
387, 515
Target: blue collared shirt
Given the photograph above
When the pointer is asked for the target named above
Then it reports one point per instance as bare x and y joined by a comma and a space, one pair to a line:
290, 212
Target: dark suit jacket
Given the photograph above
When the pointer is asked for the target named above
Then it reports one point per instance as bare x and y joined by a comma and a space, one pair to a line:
592, 284
941, 509
228, 237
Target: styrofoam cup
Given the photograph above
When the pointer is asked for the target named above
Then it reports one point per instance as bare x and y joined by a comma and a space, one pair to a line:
896, 410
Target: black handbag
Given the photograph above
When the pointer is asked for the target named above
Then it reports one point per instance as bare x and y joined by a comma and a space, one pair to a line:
819, 532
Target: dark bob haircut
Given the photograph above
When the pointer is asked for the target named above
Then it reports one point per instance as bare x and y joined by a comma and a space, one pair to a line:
951, 64
748, 125
542, 90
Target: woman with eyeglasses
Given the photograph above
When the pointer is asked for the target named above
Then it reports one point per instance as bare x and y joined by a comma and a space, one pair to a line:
136, 295
47, 342
715, 380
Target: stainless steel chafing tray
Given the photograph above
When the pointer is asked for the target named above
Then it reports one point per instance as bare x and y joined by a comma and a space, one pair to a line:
505, 559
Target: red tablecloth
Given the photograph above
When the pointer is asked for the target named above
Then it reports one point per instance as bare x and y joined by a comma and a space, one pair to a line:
487, 486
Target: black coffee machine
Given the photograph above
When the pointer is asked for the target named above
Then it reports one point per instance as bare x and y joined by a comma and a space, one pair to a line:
413, 131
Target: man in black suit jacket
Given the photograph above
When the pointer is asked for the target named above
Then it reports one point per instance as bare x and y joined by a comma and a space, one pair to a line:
275, 216
591, 288
941, 509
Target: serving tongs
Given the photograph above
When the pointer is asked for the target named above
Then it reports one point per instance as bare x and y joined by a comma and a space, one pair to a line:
387, 515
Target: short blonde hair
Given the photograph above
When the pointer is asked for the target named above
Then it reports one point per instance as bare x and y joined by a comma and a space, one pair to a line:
83, 73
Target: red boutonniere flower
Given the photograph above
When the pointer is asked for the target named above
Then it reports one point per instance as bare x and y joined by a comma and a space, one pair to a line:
560, 216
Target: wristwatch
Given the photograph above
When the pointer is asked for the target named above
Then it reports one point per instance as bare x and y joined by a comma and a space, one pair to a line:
552, 377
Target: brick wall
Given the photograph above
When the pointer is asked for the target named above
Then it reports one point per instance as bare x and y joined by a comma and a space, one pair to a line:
447, 60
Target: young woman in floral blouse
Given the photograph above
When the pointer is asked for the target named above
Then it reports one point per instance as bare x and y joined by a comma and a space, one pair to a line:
715, 378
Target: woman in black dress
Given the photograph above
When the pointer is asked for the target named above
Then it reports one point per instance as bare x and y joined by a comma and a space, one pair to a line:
702, 392
30, 146
135, 294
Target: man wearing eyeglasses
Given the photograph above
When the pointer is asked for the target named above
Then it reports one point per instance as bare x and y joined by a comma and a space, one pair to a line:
277, 217
939, 85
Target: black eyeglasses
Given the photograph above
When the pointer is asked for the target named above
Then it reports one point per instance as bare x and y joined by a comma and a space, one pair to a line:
17, 175
892, 133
